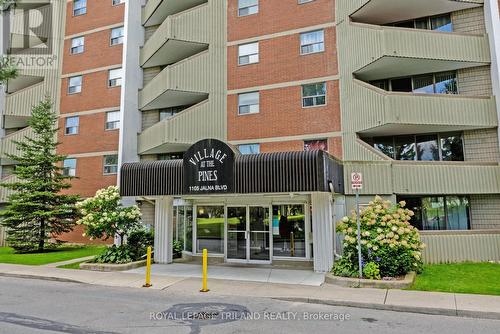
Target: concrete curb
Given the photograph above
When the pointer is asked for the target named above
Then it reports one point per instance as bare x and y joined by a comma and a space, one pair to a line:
109, 267
44, 278
349, 282
396, 308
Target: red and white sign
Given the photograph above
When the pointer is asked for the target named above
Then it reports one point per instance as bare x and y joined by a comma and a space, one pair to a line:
356, 181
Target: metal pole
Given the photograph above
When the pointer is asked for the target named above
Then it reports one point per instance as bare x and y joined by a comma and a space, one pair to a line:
204, 271
359, 235
148, 269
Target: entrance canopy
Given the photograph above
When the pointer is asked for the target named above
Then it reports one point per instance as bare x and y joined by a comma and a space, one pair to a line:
210, 168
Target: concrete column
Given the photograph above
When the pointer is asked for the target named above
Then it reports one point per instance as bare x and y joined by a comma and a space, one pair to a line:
322, 227
164, 218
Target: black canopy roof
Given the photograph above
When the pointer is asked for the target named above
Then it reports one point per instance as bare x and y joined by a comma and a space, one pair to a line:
280, 172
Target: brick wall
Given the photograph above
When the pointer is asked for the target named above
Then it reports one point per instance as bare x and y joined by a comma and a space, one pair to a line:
469, 21
280, 61
99, 14
281, 114
334, 146
481, 145
277, 16
485, 211
475, 81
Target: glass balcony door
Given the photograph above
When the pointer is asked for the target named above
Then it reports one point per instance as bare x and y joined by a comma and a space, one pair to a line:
248, 234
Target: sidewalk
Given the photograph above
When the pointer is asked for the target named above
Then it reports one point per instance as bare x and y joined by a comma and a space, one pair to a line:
450, 304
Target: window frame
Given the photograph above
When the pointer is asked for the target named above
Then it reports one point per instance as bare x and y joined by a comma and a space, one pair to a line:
121, 2
244, 105
257, 145
67, 170
240, 8
314, 96
82, 8
107, 165
305, 45
303, 2
120, 38
249, 55
117, 80
76, 127
76, 47
69, 92
106, 122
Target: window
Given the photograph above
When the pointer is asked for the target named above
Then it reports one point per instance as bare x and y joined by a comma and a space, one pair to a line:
248, 54
112, 120
117, 36
248, 7
69, 167
71, 125
183, 226
249, 148
111, 164
115, 77
79, 7
311, 145
117, 2
304, 1
167, 113
75, 85
289, 234
248, 103
312, 42
439, 212
314, 95
77, 45
428, 147
210, 229
170, 156
438, 23
437, 83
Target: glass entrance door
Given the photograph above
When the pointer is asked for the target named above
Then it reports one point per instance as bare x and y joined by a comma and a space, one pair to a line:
237, 233
248, 234
259, 233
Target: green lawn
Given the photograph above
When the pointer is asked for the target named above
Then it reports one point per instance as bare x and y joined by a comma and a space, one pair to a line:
7, 255
478, 278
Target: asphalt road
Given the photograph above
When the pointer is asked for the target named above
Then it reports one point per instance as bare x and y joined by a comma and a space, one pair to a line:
37, 306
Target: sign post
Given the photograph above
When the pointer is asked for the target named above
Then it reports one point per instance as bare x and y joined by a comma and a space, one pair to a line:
356, 185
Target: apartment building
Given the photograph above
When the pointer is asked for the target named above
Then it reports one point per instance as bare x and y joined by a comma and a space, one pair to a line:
91, 79
84, 40
403, 91
36, 50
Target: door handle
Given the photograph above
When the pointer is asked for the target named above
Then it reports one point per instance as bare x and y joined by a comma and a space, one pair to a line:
247, 234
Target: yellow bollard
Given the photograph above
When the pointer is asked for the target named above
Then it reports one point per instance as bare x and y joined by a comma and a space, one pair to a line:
204, 271
148, 269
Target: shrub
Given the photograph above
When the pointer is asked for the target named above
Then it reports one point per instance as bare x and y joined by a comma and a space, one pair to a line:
115, 254
138, 242
371, 271
387, 240
104, 217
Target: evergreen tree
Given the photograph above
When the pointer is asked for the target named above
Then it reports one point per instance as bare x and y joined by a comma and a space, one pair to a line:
6, 71
37, 211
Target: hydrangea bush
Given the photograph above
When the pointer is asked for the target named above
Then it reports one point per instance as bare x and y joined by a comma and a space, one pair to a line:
389, 242
104, 217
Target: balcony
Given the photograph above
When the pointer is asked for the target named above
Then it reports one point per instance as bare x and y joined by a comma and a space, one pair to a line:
388, 11
164, 48
19, 104
184, 83
390, 52
8, 145
175, 134
426, 177
4, 192
393, 113
156, 11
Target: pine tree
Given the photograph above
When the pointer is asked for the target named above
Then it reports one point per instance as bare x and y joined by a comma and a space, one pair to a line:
37, 210
6, 71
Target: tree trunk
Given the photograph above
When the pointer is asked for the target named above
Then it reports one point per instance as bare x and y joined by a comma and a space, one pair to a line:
41, 241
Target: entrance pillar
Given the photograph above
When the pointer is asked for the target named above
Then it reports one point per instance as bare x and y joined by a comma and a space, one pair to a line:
164, 218
322, 227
